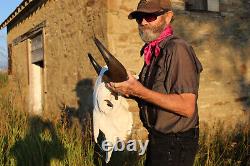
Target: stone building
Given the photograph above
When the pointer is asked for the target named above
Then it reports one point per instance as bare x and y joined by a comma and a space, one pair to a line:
48, 42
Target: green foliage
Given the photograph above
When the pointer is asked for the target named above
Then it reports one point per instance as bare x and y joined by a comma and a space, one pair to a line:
33, 140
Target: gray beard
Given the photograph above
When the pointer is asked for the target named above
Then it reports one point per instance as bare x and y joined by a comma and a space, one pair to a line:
149, 33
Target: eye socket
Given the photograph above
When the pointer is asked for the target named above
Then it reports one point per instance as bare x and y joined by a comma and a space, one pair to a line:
109, 103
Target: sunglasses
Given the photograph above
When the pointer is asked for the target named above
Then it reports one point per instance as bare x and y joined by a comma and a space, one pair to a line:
149, 17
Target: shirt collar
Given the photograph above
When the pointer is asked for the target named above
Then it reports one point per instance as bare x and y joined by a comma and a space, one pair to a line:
161, 44
164, 42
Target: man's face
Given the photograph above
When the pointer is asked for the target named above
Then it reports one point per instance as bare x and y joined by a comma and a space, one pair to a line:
151, 30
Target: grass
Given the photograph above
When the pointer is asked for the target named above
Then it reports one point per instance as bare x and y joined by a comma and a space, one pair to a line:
3, 79
27, 139
32, 140
219, 147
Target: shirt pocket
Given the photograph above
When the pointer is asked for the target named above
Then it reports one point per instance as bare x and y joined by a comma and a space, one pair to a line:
159, 79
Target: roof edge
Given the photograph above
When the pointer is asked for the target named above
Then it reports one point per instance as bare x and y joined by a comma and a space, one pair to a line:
16, 12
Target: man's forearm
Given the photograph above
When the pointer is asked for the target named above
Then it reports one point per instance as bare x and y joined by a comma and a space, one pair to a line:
182, 104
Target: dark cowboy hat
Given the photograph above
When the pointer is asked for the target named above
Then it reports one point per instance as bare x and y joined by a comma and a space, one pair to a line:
150, 6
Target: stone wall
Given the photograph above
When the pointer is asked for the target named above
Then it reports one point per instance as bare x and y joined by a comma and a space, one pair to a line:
221, 41
238, 8
70, 26
222, 45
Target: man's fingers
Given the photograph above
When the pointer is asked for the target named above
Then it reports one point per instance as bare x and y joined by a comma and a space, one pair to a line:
111, 85
117, 85
108, 85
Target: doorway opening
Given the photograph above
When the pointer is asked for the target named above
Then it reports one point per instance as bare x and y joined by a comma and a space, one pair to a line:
36, 72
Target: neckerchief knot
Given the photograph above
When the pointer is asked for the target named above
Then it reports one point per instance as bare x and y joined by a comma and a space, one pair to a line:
155, 44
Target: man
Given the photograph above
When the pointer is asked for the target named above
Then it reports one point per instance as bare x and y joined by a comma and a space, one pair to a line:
167, 88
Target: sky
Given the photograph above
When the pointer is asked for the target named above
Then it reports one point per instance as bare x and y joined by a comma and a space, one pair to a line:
6, 8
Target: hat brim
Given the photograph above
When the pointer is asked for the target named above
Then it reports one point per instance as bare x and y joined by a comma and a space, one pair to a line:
135, 14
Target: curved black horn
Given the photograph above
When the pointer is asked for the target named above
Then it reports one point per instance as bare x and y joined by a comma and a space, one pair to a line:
97, 67
116, 72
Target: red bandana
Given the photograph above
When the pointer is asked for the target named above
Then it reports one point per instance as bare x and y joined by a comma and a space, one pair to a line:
155, 43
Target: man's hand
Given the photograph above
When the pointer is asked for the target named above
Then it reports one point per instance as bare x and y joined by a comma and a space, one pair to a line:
126, 88
182, 104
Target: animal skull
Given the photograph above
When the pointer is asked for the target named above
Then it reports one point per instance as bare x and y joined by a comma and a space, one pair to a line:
110, 113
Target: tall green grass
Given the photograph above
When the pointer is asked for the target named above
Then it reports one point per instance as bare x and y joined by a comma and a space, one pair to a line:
27, 139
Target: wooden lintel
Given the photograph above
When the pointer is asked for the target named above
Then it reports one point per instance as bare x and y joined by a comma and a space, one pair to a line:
29, 33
